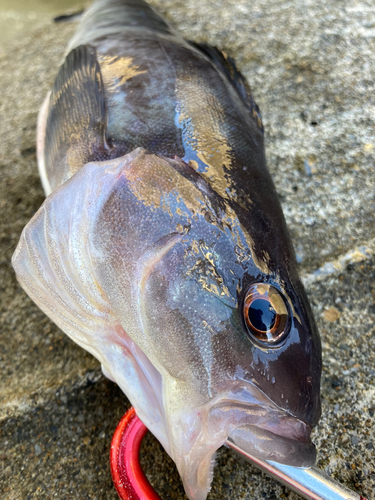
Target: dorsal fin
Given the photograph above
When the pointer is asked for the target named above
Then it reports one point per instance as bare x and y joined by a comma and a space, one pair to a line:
228, 67
76, 121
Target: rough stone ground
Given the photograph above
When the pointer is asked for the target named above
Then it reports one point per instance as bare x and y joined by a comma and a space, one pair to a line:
312, 69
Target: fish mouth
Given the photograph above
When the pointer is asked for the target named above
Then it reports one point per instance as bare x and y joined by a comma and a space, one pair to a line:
258, 427
267, 445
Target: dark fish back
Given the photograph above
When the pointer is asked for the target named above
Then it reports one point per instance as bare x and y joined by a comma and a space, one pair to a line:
174, 98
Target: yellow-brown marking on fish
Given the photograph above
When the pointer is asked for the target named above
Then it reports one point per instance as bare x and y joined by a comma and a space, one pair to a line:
117, 70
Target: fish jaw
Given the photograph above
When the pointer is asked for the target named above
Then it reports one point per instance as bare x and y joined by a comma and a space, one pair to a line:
244, 415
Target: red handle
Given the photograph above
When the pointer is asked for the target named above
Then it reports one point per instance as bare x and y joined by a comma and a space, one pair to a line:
127, 474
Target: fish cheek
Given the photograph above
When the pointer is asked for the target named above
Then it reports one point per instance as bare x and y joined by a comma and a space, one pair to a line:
188, 323
170, 333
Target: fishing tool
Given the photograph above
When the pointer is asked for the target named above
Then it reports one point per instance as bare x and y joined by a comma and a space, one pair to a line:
131, 483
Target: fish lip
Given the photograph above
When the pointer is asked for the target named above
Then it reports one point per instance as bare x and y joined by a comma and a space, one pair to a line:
257, 421
267, 445
281, 424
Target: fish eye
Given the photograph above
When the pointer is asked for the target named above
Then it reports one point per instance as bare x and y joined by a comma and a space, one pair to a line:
266, 314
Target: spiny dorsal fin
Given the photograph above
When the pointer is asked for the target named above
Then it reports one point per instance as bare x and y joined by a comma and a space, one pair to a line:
76, 123
228, 67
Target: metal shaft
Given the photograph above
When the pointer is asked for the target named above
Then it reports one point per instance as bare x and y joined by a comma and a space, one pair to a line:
312, 483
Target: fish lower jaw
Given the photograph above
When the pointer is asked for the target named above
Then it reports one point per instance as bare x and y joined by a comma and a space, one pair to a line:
267, 445
245, 416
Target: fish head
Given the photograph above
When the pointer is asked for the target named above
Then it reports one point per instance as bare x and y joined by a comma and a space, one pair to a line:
203, 323
241, 332
227, 321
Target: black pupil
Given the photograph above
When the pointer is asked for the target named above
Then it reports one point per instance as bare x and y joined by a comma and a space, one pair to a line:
262, 315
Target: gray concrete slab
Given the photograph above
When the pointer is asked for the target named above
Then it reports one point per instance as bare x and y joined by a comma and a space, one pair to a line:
312, 70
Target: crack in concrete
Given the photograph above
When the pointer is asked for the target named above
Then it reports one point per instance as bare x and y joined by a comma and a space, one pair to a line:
337, 266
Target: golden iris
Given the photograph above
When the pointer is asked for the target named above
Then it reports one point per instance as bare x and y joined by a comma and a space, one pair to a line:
266, 314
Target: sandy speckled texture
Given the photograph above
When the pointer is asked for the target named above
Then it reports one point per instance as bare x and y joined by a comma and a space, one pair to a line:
311, 66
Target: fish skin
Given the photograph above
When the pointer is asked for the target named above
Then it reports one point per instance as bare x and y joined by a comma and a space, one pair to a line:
206, 223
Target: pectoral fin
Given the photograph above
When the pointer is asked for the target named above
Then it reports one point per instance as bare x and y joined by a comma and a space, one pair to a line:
75, 122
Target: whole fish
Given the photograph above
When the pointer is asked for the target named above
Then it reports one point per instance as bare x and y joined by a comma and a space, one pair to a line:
162, 248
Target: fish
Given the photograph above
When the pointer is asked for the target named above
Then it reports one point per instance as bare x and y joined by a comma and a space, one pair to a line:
162, 248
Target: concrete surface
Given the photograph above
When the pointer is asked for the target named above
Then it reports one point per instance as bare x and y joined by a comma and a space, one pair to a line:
312, 70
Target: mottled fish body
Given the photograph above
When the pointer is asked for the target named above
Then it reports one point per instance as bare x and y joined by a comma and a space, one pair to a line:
162, 248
